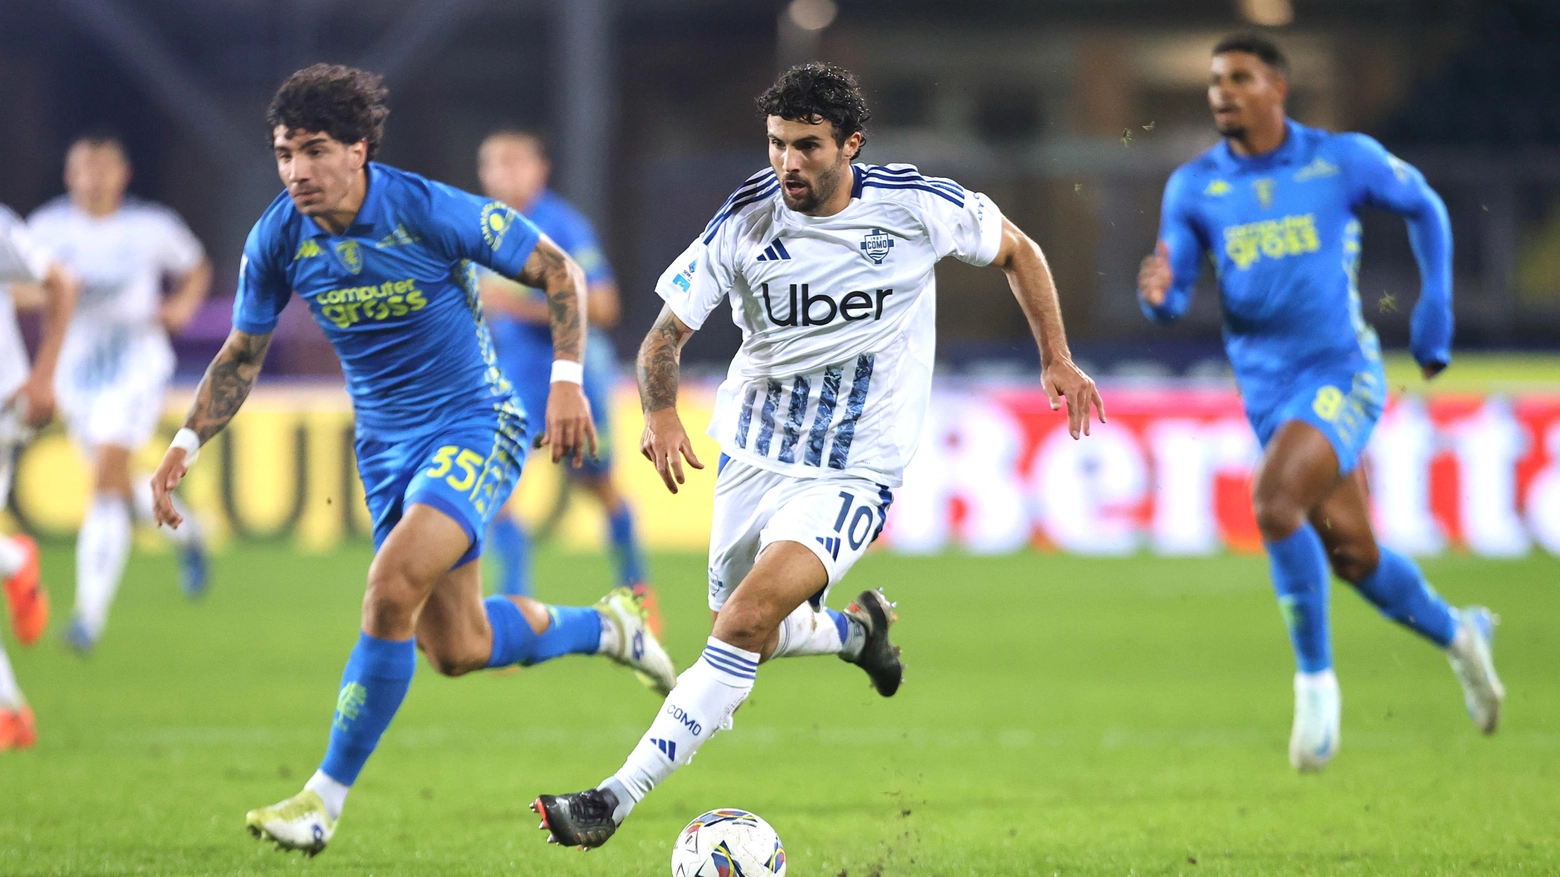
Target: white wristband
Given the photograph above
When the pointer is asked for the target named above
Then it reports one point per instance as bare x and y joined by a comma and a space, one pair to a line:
187, 441
568, 370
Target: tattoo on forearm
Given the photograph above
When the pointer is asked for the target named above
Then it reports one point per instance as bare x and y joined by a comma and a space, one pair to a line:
659, 365
227, 383
549, 269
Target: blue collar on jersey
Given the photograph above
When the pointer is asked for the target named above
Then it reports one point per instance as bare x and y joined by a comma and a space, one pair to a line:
1228, 160
367, 215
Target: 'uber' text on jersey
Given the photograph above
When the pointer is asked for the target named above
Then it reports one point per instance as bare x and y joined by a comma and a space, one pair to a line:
821, 310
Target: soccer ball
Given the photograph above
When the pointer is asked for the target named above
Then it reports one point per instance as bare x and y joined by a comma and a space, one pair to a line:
728, 843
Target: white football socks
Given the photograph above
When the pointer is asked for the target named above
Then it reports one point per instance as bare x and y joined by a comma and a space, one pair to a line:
187, 535
102, 547
11, 557
809, 632
334, 794
702, 703
10, 693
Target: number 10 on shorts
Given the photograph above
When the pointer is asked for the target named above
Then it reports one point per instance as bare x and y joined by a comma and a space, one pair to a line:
859, 527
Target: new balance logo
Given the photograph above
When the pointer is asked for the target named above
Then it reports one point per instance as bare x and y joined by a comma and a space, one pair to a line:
667, 747
775, 252
830, 544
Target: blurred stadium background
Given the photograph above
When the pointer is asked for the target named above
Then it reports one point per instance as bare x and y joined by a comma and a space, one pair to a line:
1069, 113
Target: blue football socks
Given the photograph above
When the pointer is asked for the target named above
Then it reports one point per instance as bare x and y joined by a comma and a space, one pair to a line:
1301, 578
372, 687
625, 546
575, 630
513, 548
1397, 588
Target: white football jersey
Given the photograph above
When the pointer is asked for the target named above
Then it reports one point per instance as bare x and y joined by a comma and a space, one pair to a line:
22, 260
121, 259
838, 316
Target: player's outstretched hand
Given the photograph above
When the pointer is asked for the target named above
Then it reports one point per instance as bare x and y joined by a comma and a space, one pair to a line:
1155, 276
169, 474
1064, 381
665, 443
570, 428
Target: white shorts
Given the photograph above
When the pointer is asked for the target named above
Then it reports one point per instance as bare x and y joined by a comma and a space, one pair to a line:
111, 385
837, 516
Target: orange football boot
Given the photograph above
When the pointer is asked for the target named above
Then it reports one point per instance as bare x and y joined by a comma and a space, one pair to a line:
17, 729
25, 593
646, 596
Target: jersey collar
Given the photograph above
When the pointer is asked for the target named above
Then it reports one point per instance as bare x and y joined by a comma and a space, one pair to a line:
368, 214
1282, 155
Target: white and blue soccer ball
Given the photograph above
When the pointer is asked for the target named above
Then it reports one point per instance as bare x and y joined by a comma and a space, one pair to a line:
728, 843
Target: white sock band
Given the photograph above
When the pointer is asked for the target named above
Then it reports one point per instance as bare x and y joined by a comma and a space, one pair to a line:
10, 692
334, 794
808, 632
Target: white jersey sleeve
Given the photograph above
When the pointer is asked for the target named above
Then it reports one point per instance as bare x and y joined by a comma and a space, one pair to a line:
696, 283
22, 258
959, 223
179, 251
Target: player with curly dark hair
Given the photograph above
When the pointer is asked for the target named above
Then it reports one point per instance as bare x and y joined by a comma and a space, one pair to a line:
829, 267
385, 261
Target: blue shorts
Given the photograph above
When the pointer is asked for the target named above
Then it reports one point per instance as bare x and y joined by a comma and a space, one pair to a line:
1342, 401
527, 358
465, 470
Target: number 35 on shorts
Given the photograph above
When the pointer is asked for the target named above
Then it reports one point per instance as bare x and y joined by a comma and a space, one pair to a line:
451, 457
859, 522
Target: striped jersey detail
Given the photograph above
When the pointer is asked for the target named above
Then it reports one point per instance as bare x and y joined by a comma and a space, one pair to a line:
756, 188
795, 400
877, 177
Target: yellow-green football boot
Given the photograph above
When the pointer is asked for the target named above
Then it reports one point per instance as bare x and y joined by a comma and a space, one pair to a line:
298, 823
636, 647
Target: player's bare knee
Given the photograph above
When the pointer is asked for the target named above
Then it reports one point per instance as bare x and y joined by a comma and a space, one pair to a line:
392, 599
744, 625
1352, 562
1277, 516
448, 658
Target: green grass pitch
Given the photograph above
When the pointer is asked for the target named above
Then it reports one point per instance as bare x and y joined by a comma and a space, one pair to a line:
1060, 716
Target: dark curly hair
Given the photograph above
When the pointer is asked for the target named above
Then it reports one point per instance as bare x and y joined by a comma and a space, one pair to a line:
344, 102
1256, 44
818, 91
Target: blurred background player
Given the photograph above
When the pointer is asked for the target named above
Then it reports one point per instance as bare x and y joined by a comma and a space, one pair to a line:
514, 169
385, 261
117, 360
29, 404
822, 408
1276, 206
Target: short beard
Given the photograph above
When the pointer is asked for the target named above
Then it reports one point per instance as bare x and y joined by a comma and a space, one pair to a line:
1232, 132
821, 191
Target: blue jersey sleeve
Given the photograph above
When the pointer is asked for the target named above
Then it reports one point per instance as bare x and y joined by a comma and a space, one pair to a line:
1381, 179
263, 287
488, 232
1186, 244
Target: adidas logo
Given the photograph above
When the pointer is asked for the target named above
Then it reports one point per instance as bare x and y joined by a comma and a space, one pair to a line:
667, 747
775, 252
830, 544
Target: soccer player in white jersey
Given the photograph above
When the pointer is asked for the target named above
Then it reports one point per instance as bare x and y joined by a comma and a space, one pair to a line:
117, 362
28, 396
829, 268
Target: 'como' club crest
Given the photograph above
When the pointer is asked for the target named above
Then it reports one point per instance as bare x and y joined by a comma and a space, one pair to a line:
876, 245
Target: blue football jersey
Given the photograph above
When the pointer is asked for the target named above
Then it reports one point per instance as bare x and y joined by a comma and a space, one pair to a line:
396, 294
1284, 238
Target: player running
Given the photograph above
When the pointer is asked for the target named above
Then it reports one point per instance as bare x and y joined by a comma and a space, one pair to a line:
514, 170
28, 394
829, 267
384, 260
117, 362
1275, 206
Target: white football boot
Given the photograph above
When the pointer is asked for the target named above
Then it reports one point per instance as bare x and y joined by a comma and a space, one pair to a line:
1313, 740
636, 647
298, 823
1472, 657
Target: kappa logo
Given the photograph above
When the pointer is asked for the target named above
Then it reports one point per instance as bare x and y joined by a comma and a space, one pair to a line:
496, 219
775, 252
399, 237
308, 249
877, 245
1317, 169
351, 257
349, 703
1217, 188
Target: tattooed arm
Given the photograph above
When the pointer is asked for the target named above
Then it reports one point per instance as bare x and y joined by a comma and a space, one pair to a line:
664, 443
569, 426
221, 393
